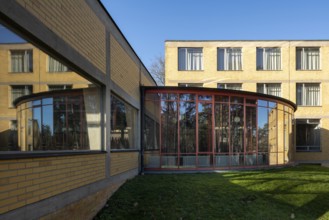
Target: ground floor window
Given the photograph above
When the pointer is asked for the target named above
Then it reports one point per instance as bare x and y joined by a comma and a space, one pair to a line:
308, 135
123, 124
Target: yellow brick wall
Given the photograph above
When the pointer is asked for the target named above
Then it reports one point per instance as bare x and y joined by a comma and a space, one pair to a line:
75, 23
249, 77
123, 161
25, 181
124, 71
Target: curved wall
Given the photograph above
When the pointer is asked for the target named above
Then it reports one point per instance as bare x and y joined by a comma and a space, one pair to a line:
199, 128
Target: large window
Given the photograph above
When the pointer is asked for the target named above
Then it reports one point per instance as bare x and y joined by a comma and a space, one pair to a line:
60, 121
234, 86
269, 58
229, 59
123, 125
190, 59
21, 61
307, 135
20, 90
56, 66
308, 94
269, 88
307, 58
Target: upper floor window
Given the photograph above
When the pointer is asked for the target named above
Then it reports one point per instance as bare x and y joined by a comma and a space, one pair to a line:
233, 86
269, 58
56, 66
229, 59
269, 88
308, 94
307, 58
190, 59
20, 90
59, 87
190, 84
21, 61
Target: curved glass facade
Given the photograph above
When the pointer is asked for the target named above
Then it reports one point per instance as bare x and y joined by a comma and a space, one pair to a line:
199, 128
59, 120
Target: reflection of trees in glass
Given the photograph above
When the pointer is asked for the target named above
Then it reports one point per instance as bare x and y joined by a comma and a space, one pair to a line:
263, 138
251, 128
150, 134
169, 126
222, 127
205, 127
237, 128
122, 116
187, 125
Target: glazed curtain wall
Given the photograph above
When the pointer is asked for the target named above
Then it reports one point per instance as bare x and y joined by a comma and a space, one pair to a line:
210, 131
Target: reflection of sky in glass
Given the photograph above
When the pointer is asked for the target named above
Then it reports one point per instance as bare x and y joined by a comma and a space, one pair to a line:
262, 117
47, 112
7, 36
37, 117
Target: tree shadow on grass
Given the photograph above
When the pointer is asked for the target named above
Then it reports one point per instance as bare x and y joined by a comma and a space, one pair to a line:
216, 196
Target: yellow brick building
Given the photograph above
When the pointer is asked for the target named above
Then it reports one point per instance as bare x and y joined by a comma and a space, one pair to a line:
294, 70
39, 73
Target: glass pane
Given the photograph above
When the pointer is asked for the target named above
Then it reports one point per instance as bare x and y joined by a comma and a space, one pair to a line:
36, 128
219, 98
187, 126
205, 127
237, 128
235, 99
205, 97
251, 129
169, 128
222, 128
47, 128
262, 129
187, 97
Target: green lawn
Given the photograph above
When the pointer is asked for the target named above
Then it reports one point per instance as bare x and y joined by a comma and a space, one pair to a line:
300, 192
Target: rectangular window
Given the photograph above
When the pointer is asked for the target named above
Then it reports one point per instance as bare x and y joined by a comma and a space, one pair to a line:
123, 125
233, 86
269, 58
229, 58
56, 66
308, 94
18, 91
269, 88
307, 135
59, 87
21, 61
190, 59
190, 84
307, 58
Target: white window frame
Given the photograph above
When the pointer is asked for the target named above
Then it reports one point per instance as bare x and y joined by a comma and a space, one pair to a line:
60, 68
227, 66
303, 101
263, 54
64, 87
192, 64
303, 65
228, 85
23, 64
26, 88
265, 88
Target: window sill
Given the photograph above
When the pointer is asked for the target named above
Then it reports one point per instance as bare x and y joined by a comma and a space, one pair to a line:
41, 154
20, 72
309, 70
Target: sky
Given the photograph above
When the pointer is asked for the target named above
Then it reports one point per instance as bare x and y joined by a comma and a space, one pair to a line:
146, 24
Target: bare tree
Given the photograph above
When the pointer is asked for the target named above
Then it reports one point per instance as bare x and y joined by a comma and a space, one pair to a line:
157, 70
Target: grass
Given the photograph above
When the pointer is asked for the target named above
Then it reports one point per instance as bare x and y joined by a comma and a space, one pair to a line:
300, 192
